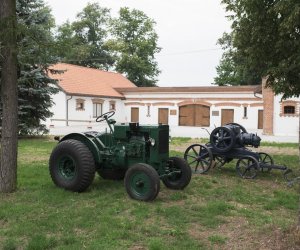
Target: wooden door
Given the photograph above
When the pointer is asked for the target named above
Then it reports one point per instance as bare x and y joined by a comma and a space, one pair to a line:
163, 115
194, 115
260, 119
186, 115
202, 115
134, 114
227, 116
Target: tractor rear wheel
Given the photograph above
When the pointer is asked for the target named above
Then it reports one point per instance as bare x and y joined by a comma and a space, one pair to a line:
142, 182
72, 166
112, 174
178, 180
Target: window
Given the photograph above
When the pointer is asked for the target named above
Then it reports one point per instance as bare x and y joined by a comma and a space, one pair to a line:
148, 111
245, 112
97, 109
80, 104
289, 110
112, 105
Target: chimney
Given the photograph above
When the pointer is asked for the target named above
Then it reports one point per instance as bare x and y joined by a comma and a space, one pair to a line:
268, 98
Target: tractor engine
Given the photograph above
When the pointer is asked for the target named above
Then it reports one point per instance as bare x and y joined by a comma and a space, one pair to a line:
146, 143
231, 136
249, 139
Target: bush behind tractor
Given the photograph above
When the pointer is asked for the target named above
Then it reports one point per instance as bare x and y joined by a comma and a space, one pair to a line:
139, 154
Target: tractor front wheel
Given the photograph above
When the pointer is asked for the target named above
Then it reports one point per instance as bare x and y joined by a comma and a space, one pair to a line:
142, 182
72, 166
181, 179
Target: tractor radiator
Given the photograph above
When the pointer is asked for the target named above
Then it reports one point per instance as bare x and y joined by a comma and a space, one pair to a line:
163, 143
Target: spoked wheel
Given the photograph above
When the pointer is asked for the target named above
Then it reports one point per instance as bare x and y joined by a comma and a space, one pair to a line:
112, 174
265, 162
247, 167
219, 161
199, 158
222, 139
181, 179
142, 182
72, 165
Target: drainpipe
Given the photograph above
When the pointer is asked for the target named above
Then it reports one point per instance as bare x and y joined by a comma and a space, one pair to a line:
67, 110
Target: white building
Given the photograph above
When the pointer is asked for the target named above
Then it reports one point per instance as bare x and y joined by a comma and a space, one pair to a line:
86, 93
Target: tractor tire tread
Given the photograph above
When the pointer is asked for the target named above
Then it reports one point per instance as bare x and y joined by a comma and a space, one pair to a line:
84, 159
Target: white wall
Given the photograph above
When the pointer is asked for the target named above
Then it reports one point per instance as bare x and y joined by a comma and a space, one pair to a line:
241, 99
81, 117
58, 109
284, 125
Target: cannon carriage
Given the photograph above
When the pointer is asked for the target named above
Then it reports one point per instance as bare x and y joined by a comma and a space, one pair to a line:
227, 143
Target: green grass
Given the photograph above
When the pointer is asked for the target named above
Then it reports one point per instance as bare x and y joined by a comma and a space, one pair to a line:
280, 144
203, 216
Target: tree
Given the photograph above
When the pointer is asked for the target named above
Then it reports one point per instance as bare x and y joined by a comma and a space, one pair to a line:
84, 41
9, 97
267, 34
233, 68
36, 54
135, 41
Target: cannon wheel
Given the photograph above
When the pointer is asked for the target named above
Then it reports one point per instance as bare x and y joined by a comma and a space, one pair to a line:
219, 161
247, 167
222, 139
112, 174
265, 159
178, 180
242, 128
72, 166
142, 182
199, 155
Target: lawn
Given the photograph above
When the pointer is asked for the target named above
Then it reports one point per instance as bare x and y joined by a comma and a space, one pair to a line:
216, 211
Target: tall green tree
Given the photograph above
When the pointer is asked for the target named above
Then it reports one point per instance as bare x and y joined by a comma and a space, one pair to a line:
135, 41
234, 68
36, 54
9, 97
83, 42
266, 35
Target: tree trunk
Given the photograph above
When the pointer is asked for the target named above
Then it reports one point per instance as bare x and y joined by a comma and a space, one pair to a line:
9, 96
299, 167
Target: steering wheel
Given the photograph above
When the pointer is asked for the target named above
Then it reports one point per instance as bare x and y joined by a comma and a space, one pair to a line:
105, 116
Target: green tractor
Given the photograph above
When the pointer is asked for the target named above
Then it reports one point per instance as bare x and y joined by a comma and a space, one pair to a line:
139, 154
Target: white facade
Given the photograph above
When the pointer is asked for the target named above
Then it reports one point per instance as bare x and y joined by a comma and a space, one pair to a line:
66, 113
284, 124
148, 103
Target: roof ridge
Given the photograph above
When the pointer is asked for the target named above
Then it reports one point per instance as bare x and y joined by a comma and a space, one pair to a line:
80, 66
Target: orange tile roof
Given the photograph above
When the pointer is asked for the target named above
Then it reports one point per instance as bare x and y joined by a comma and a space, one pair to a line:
206, 89
83, 81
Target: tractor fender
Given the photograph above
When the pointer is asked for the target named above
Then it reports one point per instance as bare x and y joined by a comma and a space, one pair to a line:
87, 141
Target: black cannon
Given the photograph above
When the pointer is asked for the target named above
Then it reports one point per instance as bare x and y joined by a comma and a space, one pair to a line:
229, 142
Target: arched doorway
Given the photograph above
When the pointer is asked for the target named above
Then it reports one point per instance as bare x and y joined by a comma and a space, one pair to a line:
194, 115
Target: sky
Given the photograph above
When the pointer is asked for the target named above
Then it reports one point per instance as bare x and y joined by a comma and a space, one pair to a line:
188, 31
